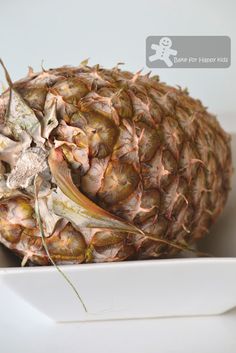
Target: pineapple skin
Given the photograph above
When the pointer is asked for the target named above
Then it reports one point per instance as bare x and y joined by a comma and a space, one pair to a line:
144, 151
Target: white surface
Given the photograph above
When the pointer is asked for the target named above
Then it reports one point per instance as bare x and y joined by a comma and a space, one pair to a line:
24, 330
137, 289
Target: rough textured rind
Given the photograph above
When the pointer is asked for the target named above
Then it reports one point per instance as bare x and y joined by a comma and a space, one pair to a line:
138, 148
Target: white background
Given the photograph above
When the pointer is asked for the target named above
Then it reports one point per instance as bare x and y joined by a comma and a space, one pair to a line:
66, 32
107, 31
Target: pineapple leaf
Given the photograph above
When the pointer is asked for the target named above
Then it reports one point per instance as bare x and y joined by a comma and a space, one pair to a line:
20, 117
179, 246
37, 183
70, 203
50, 219
8, 78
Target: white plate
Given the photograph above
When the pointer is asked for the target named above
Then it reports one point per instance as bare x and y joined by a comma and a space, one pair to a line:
140, 289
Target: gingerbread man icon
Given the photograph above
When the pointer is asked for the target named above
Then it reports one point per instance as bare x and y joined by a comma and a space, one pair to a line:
163, 51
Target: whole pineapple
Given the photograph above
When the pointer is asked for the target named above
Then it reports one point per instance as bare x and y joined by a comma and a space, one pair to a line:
109, 165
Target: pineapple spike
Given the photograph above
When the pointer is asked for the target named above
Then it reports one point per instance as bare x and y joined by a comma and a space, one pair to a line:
116, 67
42, 67
84, 62
136, 75
24, 260
30, 71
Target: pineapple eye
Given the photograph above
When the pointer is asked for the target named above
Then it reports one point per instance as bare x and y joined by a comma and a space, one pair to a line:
34, 96
101, 131
71, 90
150, 141
120, 181
20, 212
68, 244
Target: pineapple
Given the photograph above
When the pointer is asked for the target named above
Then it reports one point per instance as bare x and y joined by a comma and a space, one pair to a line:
109, 165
